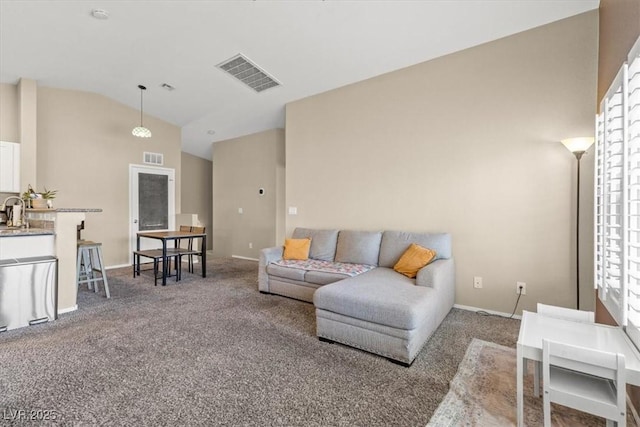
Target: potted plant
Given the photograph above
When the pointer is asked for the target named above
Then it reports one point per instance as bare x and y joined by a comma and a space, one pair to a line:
39, 200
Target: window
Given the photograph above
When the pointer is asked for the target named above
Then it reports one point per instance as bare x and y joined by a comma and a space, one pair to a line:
617, 197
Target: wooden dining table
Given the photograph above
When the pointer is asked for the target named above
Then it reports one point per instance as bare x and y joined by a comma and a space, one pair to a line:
176, 236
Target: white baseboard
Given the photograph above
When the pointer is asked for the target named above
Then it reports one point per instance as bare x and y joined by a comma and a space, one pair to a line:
111, 267
497, 313
244, 257
68, 310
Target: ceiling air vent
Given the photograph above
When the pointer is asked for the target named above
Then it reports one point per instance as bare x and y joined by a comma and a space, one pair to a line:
248, 73
153, 158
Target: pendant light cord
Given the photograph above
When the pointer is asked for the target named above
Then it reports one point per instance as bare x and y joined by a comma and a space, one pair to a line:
142, 89
141, 107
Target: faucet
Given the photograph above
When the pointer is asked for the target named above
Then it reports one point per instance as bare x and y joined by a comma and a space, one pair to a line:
21, 220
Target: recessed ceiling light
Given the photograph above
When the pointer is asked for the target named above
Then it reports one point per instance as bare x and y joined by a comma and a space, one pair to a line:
211, 132
167, 87
100, 14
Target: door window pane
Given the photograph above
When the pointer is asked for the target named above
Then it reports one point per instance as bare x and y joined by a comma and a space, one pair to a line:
153, 197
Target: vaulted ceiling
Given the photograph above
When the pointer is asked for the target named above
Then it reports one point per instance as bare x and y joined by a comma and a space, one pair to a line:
308, 46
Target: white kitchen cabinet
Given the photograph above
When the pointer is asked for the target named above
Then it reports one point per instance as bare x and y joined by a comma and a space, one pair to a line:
9, 167
27, 245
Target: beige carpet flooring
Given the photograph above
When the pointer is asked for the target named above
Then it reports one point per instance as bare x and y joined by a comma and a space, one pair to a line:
216, 352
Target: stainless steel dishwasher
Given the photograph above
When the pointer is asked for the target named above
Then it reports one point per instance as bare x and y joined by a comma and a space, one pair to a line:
28, 291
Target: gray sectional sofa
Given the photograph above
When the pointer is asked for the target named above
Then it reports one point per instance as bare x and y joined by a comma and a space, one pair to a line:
360, 300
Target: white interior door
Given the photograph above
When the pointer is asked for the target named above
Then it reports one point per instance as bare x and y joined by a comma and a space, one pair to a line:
152, 203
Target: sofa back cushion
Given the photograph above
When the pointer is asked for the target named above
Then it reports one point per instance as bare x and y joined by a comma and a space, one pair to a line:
358, 247
323, 242
394, 243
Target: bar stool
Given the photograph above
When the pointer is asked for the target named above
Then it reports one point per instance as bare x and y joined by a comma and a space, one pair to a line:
89, 262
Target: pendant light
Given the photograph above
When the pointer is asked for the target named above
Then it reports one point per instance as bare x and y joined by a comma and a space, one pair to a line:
141, 131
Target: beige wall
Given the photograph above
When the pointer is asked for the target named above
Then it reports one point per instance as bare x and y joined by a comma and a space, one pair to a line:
242, 166
467, 143
197, 191
28, 123
9, 128
619, 29
84, 151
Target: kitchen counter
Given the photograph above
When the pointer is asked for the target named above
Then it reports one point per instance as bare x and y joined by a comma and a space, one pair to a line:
18, 232
64, 223
65, 210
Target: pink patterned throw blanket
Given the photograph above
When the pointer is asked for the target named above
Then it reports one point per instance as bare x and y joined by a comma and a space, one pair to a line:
326, 266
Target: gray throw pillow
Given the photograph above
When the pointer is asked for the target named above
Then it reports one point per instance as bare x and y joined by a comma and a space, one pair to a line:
358, 247
323, 242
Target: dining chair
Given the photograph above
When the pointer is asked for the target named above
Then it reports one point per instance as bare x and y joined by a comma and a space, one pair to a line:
189, 251
585, 379
558, 313
198, 251
156, 256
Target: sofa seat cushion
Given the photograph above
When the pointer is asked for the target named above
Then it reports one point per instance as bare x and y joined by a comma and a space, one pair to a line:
275, 269
381, 296
323, 277
316, 271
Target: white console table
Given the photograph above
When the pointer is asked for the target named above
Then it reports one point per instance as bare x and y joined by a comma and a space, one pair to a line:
536, 327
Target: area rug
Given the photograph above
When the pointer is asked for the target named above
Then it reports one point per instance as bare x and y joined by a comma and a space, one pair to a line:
483, 393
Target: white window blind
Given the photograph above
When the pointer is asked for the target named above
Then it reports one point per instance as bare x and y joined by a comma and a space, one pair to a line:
617, 198
632, 132
599, 222
611, 161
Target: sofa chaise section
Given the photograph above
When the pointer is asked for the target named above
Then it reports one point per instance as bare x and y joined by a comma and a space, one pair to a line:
382, 313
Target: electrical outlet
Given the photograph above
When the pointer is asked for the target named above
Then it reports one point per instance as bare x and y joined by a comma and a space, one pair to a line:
477, 282
521, 288
250, 245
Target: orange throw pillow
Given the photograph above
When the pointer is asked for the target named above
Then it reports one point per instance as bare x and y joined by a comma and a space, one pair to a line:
296, 249
413, 259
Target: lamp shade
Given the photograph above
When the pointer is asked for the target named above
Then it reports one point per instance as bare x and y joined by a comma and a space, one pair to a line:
577, 145
141, 132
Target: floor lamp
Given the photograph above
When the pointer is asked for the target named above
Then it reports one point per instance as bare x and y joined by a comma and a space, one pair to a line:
578, 146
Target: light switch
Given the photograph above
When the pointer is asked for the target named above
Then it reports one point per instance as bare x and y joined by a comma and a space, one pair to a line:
293, 210
240, 210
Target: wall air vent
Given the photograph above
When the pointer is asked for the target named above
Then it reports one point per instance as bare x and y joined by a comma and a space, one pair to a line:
248, 73
153, 158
